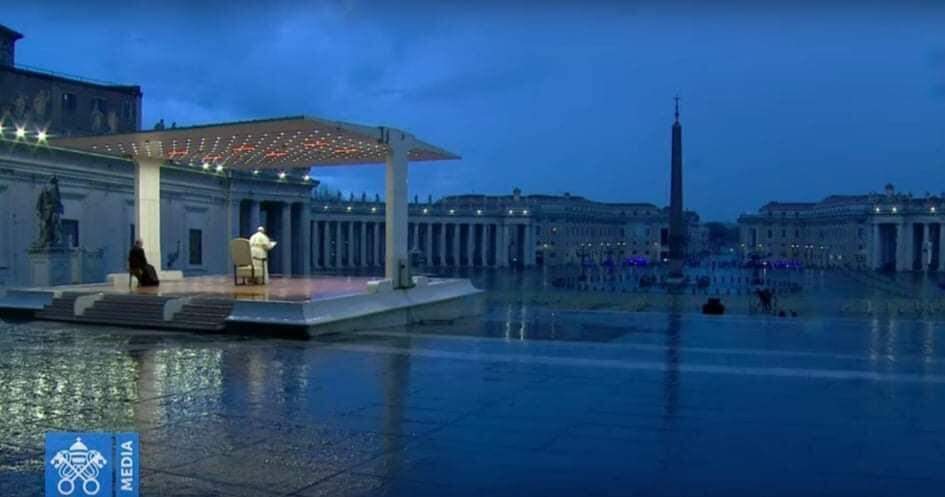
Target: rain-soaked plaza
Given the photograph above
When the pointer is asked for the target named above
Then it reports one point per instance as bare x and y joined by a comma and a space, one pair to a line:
528, 399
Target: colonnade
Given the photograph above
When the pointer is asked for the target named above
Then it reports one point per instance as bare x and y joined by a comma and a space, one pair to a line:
358, 242
908, 245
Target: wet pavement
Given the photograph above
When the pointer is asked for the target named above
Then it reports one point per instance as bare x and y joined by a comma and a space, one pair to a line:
522, 401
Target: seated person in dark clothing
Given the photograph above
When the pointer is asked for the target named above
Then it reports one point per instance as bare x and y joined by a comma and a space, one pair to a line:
138, 266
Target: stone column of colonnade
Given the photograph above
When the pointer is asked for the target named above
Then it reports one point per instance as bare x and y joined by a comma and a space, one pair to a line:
362, 246
338, 247
351, 244
941, 247
504, 245
376, 246
326, 245
305, 232
316, 245
285, 245
470, 244
442, 247
877, 255
483, 257
455, 246
925, 243
428, 242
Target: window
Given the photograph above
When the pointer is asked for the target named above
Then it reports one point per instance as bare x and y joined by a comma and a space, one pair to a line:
127, 110
70, 232
69, 102
770, 235
196, 247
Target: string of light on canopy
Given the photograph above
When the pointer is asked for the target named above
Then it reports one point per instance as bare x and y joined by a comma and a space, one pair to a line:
252, 145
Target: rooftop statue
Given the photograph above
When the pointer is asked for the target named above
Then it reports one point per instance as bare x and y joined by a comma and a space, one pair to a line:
49, 214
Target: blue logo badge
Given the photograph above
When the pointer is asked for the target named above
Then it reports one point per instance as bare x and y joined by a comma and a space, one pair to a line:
92, 464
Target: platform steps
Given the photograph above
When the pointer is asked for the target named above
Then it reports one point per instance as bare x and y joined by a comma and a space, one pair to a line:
60, 309
203, 315
146, 311
141, 311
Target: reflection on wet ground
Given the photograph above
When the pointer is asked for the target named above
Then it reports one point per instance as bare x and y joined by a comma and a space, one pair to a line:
522, 401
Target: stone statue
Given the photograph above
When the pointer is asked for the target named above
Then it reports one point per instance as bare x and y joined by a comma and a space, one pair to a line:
112, 122
40, 102
49, 213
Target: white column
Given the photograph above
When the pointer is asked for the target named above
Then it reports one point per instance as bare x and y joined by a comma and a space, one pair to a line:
941, 247
456, 241
415, 242
909, 258
484, 245
316, 244
363, 245
528, 246
351, 244
286, 242
442, 244
926, 243
338, 246
877, 255
395, 210
376, 245
326, 244
470, 244
305, 231
428, 253
506, 238
148, 208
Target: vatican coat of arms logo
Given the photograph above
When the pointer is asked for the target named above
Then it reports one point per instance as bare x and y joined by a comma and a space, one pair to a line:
78, 462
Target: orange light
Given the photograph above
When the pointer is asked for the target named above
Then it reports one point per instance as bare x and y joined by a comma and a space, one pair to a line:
244, 148
275, 154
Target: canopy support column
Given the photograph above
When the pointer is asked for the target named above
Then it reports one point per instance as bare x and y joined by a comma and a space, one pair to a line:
148, 208
396, 261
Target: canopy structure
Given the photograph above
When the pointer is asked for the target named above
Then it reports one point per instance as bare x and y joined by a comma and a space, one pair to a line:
279, 143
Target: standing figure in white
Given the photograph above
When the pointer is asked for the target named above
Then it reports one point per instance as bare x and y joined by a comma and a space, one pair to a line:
260, 245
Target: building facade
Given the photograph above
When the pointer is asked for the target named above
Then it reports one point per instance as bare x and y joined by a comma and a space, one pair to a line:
495, 231
889, 231
37, 100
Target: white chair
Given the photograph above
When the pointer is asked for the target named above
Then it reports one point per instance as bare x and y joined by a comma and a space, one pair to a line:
242, 257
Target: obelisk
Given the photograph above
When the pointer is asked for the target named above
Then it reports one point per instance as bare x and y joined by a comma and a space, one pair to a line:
677, 223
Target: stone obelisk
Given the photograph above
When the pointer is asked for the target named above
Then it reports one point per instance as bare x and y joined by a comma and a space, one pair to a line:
677, 223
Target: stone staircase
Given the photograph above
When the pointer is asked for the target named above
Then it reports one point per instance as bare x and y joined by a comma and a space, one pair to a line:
141, 311
203, 315
144, 311
60, 309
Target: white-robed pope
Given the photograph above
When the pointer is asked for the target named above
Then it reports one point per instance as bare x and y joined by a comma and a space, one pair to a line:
260, 245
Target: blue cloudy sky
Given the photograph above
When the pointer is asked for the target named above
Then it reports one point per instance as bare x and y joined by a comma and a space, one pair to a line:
781, 100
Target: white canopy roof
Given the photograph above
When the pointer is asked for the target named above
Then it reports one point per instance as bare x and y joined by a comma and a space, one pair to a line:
278, 143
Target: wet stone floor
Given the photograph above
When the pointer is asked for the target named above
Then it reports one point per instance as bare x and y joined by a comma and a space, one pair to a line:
518, 402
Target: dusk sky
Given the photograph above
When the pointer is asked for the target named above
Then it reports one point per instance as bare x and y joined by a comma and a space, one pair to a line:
778, 102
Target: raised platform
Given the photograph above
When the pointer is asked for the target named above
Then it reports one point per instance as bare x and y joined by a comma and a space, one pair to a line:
316, 304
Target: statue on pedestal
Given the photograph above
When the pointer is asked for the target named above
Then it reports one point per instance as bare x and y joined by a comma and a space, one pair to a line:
49, 211
50, 257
